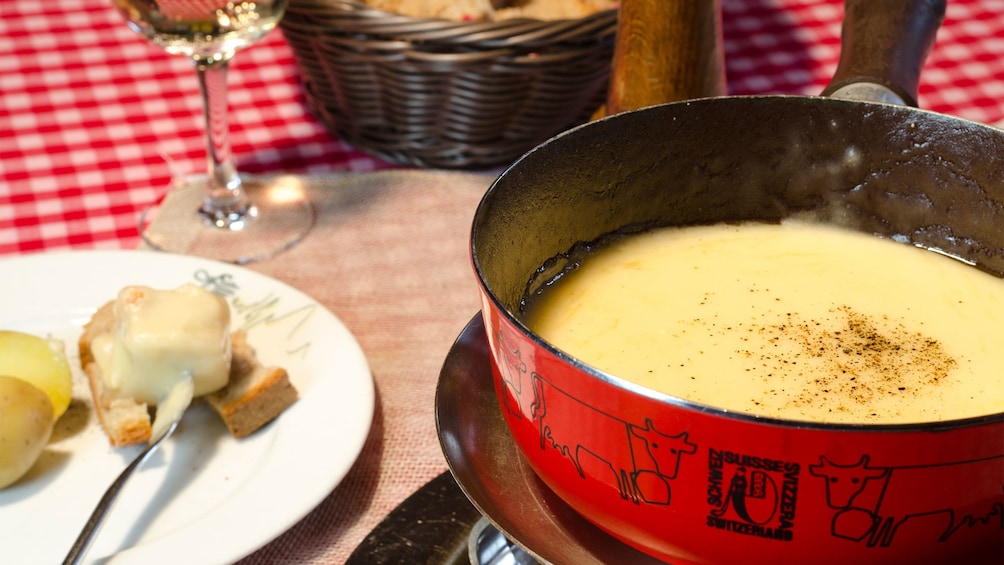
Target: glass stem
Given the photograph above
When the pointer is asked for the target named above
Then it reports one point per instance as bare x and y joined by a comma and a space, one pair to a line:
225, 204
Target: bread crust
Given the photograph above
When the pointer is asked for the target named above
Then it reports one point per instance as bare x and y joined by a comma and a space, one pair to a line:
254, 395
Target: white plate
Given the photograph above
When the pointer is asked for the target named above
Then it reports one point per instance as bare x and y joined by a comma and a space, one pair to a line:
204, 497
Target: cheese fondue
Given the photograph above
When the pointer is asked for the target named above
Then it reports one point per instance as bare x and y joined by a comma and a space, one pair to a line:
167, 346
797, 321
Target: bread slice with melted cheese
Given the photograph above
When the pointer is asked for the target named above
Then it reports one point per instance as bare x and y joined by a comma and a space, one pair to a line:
254, 395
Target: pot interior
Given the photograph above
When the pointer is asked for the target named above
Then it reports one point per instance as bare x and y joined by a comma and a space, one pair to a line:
916, 176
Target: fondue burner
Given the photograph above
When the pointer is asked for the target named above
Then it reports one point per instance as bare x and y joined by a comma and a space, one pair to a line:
488, 546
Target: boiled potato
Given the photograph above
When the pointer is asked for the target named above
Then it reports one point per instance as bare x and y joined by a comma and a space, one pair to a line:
41, 362
26, 421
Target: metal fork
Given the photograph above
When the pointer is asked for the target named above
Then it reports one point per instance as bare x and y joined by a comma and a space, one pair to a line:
93, 524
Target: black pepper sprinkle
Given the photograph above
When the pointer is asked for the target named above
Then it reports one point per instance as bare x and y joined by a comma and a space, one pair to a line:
872, 357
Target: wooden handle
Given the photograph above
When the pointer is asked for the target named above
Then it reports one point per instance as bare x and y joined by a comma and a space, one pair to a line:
666, 51
885, 42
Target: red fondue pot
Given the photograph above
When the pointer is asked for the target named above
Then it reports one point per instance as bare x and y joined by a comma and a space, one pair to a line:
691, 483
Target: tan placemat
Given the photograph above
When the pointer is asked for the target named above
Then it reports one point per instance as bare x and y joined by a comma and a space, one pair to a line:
389, 255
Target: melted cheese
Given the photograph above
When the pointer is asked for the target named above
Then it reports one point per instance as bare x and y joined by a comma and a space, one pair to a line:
166, 344
796, 321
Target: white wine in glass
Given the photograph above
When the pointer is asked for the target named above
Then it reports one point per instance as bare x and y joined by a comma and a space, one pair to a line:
233, 217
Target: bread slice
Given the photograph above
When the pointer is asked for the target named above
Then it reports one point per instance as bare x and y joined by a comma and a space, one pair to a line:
255, 394
253, 397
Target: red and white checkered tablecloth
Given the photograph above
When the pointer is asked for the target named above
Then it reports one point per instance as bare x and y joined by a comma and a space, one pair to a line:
94, 120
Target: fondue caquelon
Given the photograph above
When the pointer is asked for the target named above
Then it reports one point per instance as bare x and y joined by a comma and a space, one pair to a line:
794, 320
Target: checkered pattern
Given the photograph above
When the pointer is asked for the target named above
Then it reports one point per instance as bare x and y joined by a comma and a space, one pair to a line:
94, 121
794, 50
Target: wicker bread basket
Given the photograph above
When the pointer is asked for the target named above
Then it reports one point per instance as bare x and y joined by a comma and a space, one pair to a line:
447, 94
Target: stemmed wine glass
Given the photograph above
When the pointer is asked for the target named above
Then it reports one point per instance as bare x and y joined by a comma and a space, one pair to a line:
234, 218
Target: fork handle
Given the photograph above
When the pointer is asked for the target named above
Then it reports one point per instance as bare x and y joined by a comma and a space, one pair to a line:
97, 518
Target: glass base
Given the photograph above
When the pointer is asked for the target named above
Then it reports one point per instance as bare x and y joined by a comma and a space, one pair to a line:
176, 225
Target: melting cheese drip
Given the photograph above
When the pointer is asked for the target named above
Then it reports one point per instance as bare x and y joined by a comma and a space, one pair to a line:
798, 321
167, 347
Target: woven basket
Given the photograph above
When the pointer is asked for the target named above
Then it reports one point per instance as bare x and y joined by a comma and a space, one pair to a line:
447, 94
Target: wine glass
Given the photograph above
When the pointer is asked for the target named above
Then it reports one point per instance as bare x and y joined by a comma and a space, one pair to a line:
235, 218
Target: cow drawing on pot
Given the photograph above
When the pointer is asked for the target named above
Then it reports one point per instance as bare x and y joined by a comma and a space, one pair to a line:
517, 394
873, 502
640, 458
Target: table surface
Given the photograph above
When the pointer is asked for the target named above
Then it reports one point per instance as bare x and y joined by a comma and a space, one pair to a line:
95, 121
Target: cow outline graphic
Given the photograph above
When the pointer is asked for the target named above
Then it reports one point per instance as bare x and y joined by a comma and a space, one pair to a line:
516, 386
879, 500
641, 458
